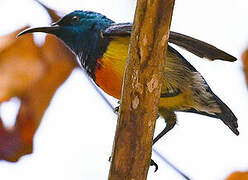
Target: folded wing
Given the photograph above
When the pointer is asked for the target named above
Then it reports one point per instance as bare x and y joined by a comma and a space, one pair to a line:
195, 46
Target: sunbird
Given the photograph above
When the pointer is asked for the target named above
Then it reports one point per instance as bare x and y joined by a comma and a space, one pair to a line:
101, 47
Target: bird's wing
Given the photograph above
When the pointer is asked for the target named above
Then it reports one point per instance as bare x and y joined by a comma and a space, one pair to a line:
199, 48
195, 46
120, 29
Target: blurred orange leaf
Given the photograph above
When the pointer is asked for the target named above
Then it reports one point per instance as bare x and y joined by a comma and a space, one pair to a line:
245, 64
52, 13
32, 74
20, 66
238, 176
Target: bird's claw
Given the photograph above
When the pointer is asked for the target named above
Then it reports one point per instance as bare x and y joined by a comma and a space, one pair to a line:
116, 109
109, 159
154, 164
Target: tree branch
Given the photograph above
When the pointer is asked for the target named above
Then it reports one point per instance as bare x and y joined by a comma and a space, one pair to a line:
141, 90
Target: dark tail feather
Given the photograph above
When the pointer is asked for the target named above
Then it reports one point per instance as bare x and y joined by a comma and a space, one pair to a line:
227, 116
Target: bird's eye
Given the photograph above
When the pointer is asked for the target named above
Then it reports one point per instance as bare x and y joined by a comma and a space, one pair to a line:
75, 18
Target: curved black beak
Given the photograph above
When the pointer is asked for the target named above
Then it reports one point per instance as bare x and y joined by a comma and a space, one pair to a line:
50, 29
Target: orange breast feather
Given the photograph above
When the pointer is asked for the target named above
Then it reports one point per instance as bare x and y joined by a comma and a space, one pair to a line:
109, 76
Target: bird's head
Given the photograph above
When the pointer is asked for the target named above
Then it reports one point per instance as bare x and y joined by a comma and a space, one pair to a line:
77, 29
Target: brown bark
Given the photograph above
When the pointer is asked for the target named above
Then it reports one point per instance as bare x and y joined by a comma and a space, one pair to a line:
141, 90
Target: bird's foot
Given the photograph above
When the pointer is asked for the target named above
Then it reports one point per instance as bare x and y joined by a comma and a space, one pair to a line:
109, 159
154, 164
116, 109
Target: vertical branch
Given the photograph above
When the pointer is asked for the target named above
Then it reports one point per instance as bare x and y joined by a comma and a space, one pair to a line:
141, 90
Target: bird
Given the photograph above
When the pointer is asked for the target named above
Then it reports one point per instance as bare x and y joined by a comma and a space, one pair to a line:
101, 48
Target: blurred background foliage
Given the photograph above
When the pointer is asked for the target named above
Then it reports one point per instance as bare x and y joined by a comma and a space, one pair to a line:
32, 74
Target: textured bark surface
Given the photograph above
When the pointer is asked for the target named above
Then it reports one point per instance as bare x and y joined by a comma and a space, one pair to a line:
141, 90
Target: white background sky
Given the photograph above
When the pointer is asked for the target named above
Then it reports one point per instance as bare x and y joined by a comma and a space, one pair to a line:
75, 138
